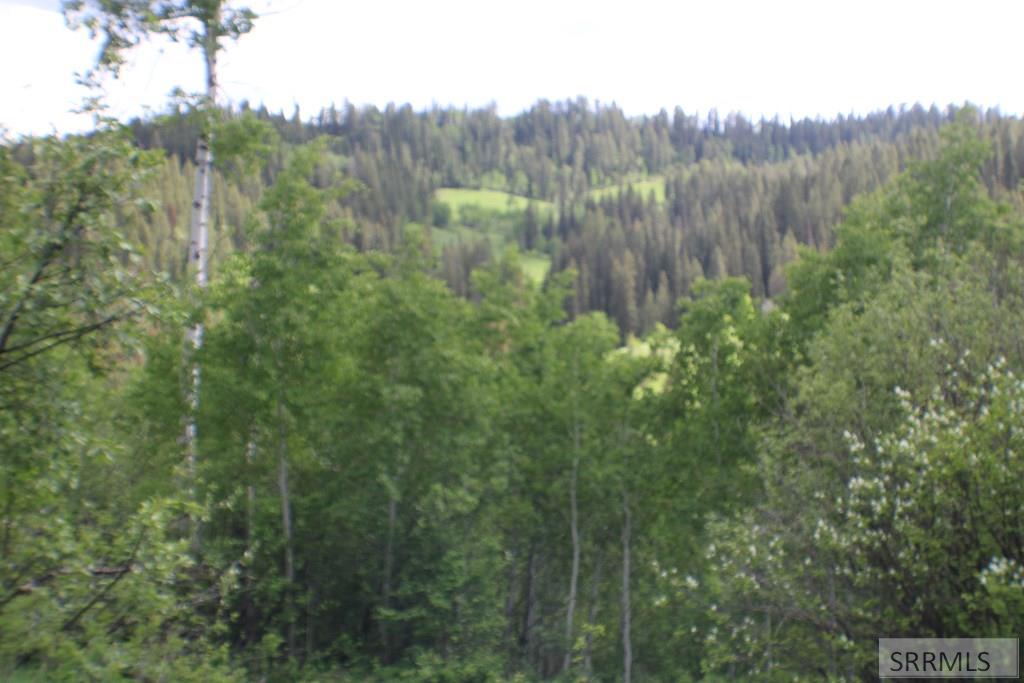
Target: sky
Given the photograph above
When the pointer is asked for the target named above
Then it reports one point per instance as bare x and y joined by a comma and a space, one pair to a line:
760, 58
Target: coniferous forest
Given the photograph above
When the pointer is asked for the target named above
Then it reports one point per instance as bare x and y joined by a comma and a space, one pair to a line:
447, 396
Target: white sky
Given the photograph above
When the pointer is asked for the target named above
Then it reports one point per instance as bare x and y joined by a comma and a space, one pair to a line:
788, 57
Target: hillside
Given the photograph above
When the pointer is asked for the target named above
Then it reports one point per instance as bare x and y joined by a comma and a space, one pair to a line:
571, 184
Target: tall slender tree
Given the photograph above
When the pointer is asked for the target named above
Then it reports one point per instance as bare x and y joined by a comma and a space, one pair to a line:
123, 24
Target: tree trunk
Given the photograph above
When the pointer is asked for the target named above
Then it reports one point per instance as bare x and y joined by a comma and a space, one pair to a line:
197, 251
389, 562
570, 612
250, 497
833, 663
714, 403
627, 641
511, 595
5, 545
286, 523
310, 649
595, 594
530, 593
249, 607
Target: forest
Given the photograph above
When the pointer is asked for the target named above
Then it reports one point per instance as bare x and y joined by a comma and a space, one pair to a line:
445, 396
639, 209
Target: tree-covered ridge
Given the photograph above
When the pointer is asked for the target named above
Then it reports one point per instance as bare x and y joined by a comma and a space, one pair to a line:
558, 151
570, 184
398, 482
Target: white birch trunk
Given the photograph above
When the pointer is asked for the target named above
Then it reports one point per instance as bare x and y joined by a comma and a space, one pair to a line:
198, 248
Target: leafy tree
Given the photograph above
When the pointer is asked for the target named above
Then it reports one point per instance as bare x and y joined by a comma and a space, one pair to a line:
92, 584
896, 392
203, 24
935, 206
441, 213
714, 395
265, 366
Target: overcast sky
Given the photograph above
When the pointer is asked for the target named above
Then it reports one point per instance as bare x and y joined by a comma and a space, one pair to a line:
813, 58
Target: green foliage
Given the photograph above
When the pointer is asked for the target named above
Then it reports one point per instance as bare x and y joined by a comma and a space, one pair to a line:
123, 24
936, 206
93, 584
961, 442
245, 143
897, 437
403, 480
913, 542
712, 399
441, 214
70, 273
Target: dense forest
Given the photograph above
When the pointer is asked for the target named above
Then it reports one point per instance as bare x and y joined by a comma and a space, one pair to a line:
640, 209
562, 396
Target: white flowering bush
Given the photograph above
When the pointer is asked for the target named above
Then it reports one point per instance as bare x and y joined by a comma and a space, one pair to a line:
924, 539
935, 519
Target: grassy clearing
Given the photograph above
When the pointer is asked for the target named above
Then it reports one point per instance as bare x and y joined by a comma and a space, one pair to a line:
495, 226
490, 200
644, 187
535, 266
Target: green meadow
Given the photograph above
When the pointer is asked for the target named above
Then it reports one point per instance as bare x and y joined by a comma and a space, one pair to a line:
495, 225
490, 200
535, 266
644, 187
494, 204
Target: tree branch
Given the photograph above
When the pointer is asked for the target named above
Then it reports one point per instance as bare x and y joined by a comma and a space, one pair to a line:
51, 250
72, 335
118, 574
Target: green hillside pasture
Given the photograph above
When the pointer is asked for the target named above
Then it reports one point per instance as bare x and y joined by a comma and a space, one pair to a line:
490, 200
535, 266
655, 184
494, 229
